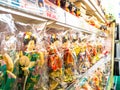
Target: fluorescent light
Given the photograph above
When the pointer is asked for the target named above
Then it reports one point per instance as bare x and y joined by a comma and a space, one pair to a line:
99, 16
90, 5
98, 9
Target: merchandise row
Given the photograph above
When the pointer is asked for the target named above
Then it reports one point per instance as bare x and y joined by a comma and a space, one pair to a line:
52, 12
47, 59
96, 78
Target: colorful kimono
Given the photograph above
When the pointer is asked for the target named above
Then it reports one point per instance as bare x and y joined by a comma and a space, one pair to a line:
33, 76
6, 80
54, 70
68, 65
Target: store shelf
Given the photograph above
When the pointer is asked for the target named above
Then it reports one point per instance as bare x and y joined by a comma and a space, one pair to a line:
20, 15
27, 16
94, 67
81, 78
94, 9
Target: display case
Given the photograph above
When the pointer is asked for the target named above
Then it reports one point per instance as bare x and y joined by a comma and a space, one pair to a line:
51, 50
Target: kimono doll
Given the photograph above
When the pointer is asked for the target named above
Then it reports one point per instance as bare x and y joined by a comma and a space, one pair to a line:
68, 60
65, 5
7, 77
30, 64
91, 52
75, 46
83, 63
55, 72
77, 11
72, 9
96, 81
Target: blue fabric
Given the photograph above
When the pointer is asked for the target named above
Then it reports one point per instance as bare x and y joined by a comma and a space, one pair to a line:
40, 1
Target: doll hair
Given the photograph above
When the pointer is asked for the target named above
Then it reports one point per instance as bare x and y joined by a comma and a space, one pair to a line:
62, 3
53, 39
26, 41
65, 39
40, 3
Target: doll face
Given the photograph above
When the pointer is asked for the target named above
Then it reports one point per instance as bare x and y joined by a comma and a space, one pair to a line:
67, 4
73, 8
31, 45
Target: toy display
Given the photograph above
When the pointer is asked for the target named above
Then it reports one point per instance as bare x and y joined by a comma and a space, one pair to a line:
96, 81
49, 59
65, 5
55, 71
72, 8
31, 64
7, 53
68, 60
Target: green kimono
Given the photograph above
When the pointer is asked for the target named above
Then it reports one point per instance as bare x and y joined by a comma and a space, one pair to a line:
6, 81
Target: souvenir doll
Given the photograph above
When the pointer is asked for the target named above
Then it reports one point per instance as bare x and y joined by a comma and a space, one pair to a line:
8, 54
72, 9
30, 64
75, 46
7, 78
95, 55
82, 58
58, 3
68, 60
65, 5
96, 81
54, 64
91, 52
77, 12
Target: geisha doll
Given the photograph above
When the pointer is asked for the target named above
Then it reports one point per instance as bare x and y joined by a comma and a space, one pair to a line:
68, 60
30, 64
55, 72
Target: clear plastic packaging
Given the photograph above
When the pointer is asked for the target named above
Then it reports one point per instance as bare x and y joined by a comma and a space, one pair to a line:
54, 60
32, 62
8, 51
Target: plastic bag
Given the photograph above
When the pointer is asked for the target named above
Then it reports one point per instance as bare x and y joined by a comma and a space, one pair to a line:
54, 60
8, 51
32, 73
7, 23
